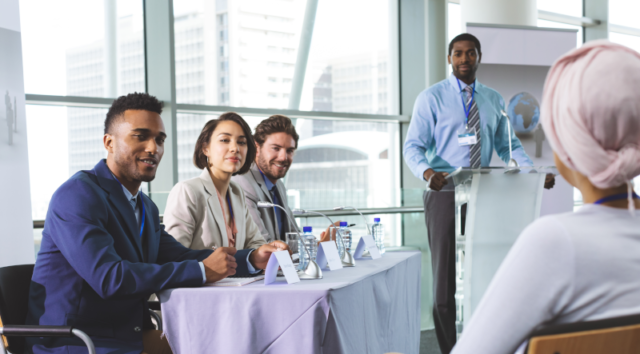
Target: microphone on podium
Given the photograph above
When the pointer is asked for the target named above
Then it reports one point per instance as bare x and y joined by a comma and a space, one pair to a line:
512, 162
347, 258
312, 271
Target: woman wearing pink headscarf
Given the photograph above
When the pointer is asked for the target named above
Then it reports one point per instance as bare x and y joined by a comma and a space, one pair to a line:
584, 265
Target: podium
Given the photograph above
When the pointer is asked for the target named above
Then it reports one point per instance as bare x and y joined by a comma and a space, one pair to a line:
500, 202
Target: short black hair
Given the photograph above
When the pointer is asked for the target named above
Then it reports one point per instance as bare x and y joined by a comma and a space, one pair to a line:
465, 37
137, 101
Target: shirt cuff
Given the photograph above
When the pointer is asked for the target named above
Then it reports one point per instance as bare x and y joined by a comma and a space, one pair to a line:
204, 274
250, 268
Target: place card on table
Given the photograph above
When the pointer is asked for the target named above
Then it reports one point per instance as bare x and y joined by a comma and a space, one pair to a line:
283, 260
328, 254
367, 242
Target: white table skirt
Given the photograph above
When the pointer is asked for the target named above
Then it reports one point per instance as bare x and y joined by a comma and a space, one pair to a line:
371, 308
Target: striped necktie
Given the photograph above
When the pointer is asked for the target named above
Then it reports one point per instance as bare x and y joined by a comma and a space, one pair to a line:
474, 123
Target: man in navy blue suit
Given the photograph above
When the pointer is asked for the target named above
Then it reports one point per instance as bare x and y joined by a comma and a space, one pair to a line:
104, 251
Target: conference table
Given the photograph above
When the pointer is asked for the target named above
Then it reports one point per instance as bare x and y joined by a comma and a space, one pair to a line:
373, 307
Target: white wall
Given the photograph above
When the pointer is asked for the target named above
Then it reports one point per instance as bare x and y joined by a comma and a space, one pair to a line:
16, 237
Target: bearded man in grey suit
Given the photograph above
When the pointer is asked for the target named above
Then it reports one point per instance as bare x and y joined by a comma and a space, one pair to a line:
276, 142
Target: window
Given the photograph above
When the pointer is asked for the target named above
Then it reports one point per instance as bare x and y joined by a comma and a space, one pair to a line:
61, 60
624, 13
262, 42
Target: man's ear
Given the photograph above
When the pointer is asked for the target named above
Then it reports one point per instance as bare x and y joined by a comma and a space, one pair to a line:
108, 142
449, 59
257, 149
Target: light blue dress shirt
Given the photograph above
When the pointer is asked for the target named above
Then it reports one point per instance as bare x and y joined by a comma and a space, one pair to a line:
438, 116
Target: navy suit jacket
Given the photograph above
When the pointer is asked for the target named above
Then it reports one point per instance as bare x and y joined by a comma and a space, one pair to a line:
94, 272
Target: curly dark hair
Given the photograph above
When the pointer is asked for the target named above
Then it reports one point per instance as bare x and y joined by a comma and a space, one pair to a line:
275, 124
465, 37
200, 159
137, 101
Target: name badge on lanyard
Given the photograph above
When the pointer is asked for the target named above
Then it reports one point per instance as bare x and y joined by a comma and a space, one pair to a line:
466, 135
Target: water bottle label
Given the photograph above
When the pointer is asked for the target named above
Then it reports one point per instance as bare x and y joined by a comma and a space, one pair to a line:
283, 260
328, 254
367, 242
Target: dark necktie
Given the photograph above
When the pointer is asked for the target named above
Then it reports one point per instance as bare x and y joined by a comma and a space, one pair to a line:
474, 123
277, 211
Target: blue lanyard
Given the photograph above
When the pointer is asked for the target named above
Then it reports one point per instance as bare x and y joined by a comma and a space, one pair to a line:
467, 109
229, 204
142, 202
616, 197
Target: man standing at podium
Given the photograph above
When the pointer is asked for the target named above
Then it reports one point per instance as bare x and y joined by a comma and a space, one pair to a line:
455, 123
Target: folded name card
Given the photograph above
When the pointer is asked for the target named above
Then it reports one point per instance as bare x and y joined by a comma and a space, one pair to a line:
367, 242
283, 260
328, 254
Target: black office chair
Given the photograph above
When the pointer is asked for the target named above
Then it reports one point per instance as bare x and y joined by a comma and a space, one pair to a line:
14, 297
619, 335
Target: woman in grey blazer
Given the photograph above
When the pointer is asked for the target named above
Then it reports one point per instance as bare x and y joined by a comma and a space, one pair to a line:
210, 210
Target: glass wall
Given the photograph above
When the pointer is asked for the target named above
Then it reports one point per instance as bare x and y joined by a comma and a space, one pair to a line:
624, 13
82, 47
338, 162
243, 53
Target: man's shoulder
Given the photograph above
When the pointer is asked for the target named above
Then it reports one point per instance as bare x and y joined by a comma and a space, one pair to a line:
436, 89
81, 182
247, 182
490, 93
82, 191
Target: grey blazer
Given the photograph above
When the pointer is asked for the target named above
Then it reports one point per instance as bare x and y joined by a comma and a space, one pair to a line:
194, 217
255, 190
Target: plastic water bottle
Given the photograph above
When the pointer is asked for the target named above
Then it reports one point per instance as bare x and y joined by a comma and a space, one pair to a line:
311, 244
378, 234
345, 232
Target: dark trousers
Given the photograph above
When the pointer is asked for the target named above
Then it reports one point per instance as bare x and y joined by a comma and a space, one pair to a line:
439, 215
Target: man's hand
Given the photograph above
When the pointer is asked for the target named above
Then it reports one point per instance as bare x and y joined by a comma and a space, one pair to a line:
220, 264
435, 180
260, 257
549, 181
330, 233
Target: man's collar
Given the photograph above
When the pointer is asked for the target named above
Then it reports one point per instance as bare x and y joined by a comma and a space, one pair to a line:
454, 82
267, 181
126, 191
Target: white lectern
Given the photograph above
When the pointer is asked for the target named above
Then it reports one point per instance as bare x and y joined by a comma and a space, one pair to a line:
501, 202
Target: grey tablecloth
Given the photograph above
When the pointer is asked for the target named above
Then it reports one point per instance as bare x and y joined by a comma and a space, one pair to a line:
371, 308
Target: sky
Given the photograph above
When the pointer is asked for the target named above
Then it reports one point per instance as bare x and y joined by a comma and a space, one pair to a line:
342, 27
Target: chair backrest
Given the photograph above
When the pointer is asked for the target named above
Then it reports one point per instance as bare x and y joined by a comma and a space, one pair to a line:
619, 335
15, 282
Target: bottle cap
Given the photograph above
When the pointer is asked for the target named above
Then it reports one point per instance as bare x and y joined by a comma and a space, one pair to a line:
307, 229
376, 219
343, 224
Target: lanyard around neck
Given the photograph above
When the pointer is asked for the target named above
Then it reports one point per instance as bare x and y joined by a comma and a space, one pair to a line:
141, 202
611, 198
467, 110
229, 204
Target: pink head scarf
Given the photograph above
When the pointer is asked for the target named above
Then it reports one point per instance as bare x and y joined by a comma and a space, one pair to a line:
591, 112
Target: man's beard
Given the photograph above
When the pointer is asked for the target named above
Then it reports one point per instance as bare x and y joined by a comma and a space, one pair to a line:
470, 75
131, 170
265, 167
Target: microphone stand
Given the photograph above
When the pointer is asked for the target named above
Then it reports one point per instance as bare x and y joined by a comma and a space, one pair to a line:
366, 252
312, 271
512, 163
347, 258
